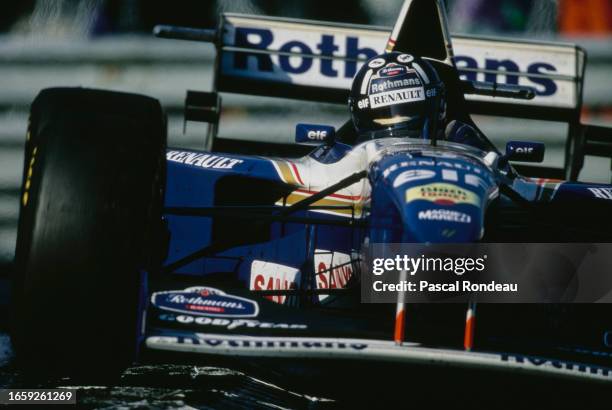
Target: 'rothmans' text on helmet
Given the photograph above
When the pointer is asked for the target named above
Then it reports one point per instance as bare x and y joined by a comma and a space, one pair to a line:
396, 91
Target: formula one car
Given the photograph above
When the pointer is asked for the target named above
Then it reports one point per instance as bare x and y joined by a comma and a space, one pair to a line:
128, 250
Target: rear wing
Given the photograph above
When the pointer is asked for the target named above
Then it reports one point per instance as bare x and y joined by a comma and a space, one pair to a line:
316, 61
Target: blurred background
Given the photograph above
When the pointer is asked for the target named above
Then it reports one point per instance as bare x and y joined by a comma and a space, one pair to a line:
107, 44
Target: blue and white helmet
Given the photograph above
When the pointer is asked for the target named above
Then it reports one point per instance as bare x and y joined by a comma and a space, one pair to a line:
396, 91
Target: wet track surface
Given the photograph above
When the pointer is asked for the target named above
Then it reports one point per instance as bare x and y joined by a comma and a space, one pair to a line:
162, 386
174, 387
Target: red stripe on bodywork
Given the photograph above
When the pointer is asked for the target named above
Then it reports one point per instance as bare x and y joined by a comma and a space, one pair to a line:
400, 326
470, 324
297, 174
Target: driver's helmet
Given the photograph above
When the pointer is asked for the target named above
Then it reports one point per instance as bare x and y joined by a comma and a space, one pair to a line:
396, 94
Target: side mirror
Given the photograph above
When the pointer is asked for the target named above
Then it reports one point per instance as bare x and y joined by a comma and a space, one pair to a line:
524, 151
314, 134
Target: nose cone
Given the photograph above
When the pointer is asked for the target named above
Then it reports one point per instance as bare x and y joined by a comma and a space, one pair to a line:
432, 199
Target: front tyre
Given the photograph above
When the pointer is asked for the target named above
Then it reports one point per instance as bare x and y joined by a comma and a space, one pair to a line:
90, 212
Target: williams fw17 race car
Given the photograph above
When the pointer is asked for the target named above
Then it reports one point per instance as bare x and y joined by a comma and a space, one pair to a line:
129, 251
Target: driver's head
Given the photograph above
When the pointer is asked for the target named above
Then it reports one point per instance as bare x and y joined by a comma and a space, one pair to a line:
396, 92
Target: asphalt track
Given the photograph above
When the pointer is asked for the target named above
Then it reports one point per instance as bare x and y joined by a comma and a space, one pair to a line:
172, 387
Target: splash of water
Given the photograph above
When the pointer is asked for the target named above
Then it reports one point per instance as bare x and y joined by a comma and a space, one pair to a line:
59, 19
237, 6
382, 12
543, 18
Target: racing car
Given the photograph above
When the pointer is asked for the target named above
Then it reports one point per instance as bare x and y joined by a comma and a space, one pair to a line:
129, 251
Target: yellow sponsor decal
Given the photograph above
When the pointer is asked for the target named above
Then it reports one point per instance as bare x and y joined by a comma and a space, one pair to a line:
442, 194
295, 197
28, 182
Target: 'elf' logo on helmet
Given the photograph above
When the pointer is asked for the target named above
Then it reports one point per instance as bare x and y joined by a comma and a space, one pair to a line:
363, 103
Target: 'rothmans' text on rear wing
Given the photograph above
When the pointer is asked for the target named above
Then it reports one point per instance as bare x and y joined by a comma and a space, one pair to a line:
317, 61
